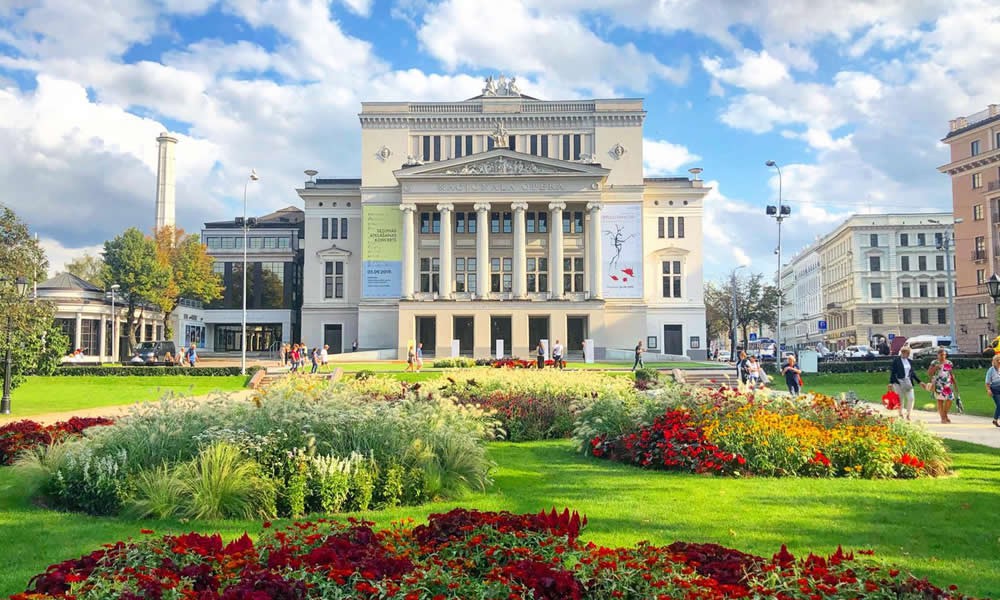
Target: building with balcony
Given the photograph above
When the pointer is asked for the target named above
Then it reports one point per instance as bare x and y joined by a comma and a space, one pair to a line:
975, 191
274, 282
871, 277
508, 218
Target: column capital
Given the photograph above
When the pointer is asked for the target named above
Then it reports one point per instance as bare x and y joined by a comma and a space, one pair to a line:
592, 206
557, 206
519, 206
482, 206
408, 207
445, 206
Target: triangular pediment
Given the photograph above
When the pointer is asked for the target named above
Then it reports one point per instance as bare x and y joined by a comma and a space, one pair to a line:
501, 162
333, 252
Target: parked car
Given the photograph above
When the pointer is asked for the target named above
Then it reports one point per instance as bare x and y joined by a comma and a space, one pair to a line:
156, 352
859, 352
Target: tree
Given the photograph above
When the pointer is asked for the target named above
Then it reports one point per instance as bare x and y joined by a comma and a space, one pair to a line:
28, 328
756, 304
88, 268
190, 266
131, 261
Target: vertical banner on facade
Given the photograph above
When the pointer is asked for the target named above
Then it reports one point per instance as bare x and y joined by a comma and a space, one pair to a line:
621, 249
381, 254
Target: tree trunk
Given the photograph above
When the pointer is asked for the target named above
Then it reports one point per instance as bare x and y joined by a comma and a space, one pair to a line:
130, 327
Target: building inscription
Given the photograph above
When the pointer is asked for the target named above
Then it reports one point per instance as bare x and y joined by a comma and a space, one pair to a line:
500, 188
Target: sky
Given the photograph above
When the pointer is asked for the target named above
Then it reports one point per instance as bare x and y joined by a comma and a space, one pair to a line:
850, 98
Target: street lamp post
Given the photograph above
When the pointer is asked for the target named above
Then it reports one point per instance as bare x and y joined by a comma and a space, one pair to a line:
20, 287
114, 323
243, 344
947, 245
779, 213
732, 352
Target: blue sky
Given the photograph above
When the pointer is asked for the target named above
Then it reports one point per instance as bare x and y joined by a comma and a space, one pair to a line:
850, 98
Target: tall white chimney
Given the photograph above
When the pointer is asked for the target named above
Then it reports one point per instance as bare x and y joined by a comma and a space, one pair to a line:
165, 182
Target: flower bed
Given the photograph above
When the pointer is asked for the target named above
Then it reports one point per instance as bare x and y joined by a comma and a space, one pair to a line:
730, 432
460, 554
19, 436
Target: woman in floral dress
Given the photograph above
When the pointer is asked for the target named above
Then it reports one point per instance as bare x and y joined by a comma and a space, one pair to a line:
943, 379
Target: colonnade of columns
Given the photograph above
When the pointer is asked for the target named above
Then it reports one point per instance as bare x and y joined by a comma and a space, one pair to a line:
519, 285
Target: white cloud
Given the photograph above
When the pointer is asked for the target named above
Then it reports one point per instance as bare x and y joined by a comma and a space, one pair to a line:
755, 71
362, 8
660, 157
60, 255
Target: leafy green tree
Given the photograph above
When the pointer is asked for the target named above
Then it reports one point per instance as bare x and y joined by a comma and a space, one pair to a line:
191, 273
756, 304
88, 268
26, 327
131, 261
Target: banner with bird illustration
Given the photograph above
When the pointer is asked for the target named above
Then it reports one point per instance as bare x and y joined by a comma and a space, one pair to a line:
621, 250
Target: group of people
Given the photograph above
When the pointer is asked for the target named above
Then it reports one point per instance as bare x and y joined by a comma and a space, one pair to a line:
295, 356
750, 372
414, 357
557, 355
903, 379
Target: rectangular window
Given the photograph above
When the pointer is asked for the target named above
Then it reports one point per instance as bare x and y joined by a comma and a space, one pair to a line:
529, 222
472, 222
904, 263
426, 149
489, 143
925, 316
271, 243
565, 147
876, 291
333, 284
430, 273
495, 222
573, 274
922, 290
980, 276
457, 148
343, 228
876, 316
977, 212
460, 222
921, 263
921, 239
533, 144
425, 222
285, 243
255, 243
942, 316
437, 147
873, 239
512, 142
874, 263
660, 228
941, 291
977, 181
905, 290
671, 278
501, 276
545, 145
538, 274
578, 221
939, 262
463, 146
436, 222
904, 239
939, 240
974, 148
543, 222
567, 220
228, 243
506, 222
465, 274
212, 243
680, 227
326, 229
980, 250
577, 143
907, 316
670, 227
981, 311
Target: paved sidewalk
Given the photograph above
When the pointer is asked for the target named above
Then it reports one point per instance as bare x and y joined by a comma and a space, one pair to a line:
965, 428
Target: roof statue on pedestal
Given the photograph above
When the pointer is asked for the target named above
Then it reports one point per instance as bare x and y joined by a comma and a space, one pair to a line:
501, 86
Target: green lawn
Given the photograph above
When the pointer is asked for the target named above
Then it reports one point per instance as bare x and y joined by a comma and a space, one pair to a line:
936, 528
40, 395
871, 386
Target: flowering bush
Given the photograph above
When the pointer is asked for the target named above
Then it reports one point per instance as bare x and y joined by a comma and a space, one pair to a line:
460, 554
19, 436
726, 431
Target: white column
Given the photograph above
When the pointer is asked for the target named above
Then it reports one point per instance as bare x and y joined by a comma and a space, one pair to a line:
483, 249
594, 241
102, 344
447, 262
79, 331
409, 255
556, 249
520, 286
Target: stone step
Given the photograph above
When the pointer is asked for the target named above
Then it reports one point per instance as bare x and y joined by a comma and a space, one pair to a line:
711, 378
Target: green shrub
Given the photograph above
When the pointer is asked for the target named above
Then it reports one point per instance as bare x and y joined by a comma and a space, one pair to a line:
454, 363
330, 480
363, 481
158, 493
221, 483
647, 374
147, 371
364, 374
391, 486
296, 486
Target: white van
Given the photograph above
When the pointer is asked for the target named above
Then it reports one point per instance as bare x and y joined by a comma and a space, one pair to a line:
924, 345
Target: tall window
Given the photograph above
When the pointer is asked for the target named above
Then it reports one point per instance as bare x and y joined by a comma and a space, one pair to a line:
543, 222
921, 239
501, 274
939, 262
907, 316
922, 290
538, 274
977, 212
573, 222
529, 222
980, 276
333, 284
578, 221
660, 228
904, 239
343, 228
462, 146
573, 274
876, 316
980, 253
904, 290
460, 222
671, 278
977, 181
538, 144
941, 291
465, 274
507, 222
981, 311
566, 147
470, 219
974, 148
942, 316
425, 222
431, 147
904, 263
495, 222
925, 316
922, 263
430, 274
680, 227
436, 223
876, 290
874, 263
873, 240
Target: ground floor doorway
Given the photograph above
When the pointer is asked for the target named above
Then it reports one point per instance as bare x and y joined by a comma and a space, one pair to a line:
538, 329
500, 329
463, 330
577, 330
333, 336
427, 334
673, 342
261, 337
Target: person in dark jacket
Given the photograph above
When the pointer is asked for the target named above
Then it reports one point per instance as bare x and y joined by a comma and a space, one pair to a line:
902, 379
743, 368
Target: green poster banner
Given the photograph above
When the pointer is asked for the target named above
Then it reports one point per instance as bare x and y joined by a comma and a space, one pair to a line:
382, 251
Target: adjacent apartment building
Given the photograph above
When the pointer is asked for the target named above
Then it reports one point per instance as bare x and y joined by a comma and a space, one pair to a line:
871, 277
504, 218
975, 192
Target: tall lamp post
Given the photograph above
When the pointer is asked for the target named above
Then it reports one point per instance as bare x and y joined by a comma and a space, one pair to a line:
733, 337
20, 287
946, 244
246, 227
114, 322
779, 213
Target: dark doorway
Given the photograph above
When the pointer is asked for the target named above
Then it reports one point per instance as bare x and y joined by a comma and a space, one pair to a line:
427, 334
463, 330
538, 329
500, 330
576, 332
261, 337
333, 336
673, 343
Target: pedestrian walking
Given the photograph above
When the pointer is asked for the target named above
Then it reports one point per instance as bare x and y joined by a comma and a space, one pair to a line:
902, 379
943, 383
540, 353
743, 368
354, 346
793, 377
753, 372
294, 358
283, 354
420, 356
411, 357
638, 356
315, 361
993, 387
557, 354
324, 354
192, 355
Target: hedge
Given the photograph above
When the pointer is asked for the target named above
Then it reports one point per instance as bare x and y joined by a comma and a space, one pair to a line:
883, 365
143, 371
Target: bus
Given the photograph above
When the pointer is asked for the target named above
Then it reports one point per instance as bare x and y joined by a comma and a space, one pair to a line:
763, 348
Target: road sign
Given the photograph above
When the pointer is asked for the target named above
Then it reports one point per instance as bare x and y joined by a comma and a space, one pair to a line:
753, 337
891, 336
821, 325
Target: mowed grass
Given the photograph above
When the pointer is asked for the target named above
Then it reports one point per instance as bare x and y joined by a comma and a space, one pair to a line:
39, 395
871, 386
942, 528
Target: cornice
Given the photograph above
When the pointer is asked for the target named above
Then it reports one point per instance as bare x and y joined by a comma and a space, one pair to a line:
514, 122
971, 163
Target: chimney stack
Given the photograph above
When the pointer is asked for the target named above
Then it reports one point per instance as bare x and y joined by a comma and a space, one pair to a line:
165, 182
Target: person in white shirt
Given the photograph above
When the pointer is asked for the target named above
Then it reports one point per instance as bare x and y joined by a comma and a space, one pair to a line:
902, 378
324, 354
557, 354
